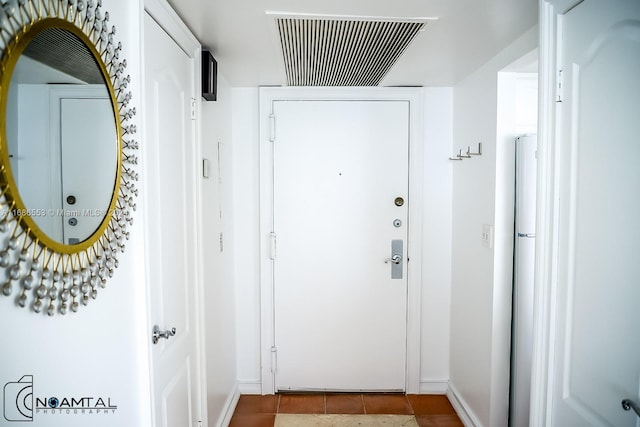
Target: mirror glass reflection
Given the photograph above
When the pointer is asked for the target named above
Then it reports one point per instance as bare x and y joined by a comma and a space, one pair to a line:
61, 136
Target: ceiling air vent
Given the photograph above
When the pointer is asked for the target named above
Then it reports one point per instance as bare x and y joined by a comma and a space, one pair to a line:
64, 51
343, 51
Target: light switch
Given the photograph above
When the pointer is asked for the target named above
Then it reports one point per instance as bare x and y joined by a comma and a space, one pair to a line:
487, 236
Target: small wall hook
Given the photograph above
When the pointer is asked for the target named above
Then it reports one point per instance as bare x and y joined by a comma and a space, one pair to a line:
479, 153
463, 156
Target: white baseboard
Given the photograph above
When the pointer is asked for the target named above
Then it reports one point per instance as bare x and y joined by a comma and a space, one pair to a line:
434, 386
249, 387
466, 415
241, 387
229, 407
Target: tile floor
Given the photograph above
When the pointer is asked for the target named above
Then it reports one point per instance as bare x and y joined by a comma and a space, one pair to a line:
260, 411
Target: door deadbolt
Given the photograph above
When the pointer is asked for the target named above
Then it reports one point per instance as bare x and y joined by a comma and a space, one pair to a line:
399, 201
71, 200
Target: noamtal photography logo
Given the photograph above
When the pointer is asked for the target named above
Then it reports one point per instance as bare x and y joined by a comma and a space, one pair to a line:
21, 403
18, 399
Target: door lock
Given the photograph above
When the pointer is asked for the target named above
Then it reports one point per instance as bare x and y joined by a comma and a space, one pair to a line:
157, 334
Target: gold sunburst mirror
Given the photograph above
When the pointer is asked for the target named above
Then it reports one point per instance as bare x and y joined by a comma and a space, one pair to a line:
67, 177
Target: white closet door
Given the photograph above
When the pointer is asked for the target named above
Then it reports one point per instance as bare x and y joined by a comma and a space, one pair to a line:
172, 228
597, 335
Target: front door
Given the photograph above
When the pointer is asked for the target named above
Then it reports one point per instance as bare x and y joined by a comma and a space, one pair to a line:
597, 335
340, 225
171, 229
88, 175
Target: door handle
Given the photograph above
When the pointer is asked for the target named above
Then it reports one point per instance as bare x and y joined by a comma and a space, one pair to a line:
396, 259
397, 253
157, 334
628, 404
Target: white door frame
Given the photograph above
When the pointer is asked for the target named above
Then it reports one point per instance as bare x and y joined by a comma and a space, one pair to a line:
414, 232
170, 22
547, 222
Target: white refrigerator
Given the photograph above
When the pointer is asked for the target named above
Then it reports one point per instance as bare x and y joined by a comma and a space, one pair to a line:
524, 258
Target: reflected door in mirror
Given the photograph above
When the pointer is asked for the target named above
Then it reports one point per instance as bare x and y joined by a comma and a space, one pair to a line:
87, 159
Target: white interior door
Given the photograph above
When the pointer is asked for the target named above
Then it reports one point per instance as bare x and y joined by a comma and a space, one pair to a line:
171, 228
340, 200
88, 166
597, 340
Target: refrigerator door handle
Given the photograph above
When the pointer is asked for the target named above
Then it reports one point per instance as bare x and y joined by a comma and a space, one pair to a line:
529, 235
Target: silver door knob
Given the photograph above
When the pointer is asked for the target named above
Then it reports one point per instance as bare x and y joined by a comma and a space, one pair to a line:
157, 334
396, 259
628, 404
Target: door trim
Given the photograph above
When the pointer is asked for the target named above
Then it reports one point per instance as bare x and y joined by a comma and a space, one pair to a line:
414, 231
164, 15
547, 214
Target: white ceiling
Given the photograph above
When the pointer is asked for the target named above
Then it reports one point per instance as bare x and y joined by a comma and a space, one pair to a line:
244, 39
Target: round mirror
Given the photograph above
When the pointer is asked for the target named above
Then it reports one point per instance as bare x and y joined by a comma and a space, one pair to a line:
61, 136
67, 152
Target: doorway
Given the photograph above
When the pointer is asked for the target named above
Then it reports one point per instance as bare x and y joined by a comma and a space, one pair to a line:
281, 311
516, 166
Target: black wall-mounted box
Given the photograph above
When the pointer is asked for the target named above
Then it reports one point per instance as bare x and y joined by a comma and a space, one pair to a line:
209, 76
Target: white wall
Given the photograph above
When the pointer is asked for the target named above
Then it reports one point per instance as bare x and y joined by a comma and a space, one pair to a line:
246, 207
217, 206
102, 349
481, 288
436, 238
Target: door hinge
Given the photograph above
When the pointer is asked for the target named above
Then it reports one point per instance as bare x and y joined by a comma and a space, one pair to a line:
272, 127
274, 359
193, 108
559, 87
272, 246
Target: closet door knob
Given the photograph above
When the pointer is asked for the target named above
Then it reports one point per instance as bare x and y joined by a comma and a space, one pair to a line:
157, 334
